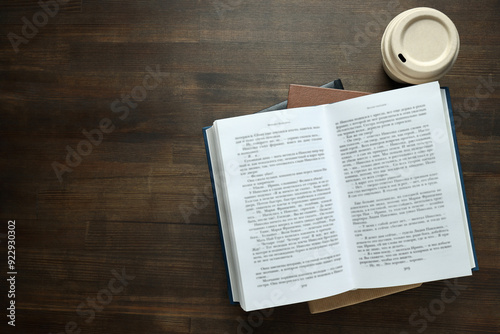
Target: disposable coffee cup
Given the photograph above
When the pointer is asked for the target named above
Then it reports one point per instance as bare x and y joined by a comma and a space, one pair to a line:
419, 45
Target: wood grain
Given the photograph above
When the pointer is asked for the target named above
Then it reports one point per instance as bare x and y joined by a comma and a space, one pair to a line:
140, 200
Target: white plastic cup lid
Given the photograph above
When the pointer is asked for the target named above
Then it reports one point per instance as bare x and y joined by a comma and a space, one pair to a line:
419, 45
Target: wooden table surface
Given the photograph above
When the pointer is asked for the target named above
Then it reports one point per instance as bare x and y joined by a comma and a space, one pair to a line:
103, 166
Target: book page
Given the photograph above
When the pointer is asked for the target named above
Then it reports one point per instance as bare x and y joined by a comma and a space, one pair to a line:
219, 198
459, 178
281, 207
399, 173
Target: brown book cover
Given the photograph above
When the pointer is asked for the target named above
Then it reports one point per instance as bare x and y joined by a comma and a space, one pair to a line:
304, 96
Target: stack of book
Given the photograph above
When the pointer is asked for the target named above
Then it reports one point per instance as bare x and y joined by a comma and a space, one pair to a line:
341, 198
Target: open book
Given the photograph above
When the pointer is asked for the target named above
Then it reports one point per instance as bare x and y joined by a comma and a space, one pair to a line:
317, 201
